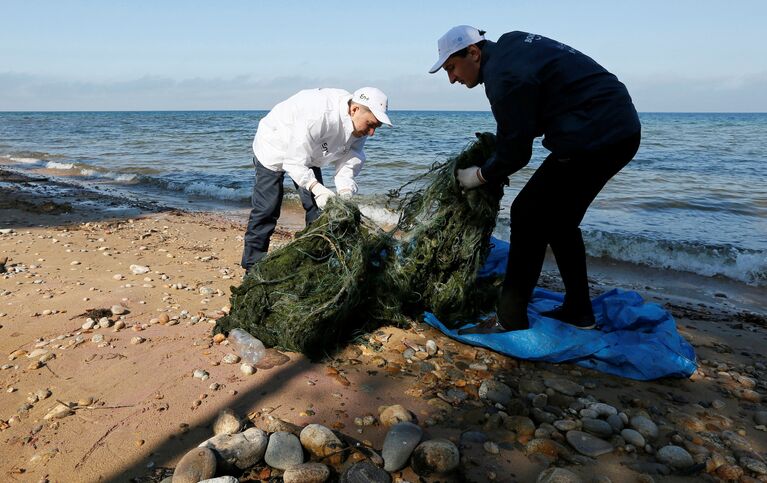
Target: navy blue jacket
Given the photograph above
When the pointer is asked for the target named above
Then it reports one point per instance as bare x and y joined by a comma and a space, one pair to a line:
540, 87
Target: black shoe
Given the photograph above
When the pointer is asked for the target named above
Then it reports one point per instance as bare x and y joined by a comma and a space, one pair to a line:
580, 320
489, 326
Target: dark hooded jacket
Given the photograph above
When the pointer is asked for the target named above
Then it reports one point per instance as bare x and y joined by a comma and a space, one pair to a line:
540, 87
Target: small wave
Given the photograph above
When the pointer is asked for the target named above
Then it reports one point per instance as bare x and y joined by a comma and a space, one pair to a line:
749, 266
25, 160
211, 191
60, 166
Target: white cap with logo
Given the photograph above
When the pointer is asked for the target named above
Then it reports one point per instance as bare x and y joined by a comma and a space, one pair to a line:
454, 40
375, 100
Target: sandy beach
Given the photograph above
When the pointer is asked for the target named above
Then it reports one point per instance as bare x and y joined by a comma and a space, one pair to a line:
117, 399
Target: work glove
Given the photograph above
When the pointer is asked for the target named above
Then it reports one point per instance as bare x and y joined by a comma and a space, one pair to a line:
470, 178
345, 194
321, 194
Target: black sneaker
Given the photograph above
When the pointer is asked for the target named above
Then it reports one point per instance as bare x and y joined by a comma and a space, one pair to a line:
490, 326
579, 320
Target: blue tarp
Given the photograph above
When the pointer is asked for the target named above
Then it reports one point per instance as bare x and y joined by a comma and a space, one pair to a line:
633, 339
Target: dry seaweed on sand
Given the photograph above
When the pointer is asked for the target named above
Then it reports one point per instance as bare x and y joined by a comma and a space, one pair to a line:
342, 274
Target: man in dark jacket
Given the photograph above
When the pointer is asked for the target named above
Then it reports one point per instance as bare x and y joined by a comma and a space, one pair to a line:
540, 87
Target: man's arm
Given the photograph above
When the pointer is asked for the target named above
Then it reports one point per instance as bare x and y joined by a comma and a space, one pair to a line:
348, 167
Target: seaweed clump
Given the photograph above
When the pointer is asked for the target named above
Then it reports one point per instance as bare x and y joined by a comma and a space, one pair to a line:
343, 275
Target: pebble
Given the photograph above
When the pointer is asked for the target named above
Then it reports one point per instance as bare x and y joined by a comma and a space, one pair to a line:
675, 457
139, 269
227, 422
399, 444
59, 411
645, 426
231, 359
391, 415
436, 456
120, 324
200, 374
248, 369
365, 472
588, 445
89, 323
598, 427
491, 447
603, 410
522, 425
495, 391
760, 417
198, 464
220, 479
306, 473
431, 347
566, 425
320, 442
239, 450
97, 339
615, 422
137, 340
558, 475
283, 451
564, 386
118, 310
633, 437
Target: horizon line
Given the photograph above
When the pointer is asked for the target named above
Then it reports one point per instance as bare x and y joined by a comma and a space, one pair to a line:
65, 111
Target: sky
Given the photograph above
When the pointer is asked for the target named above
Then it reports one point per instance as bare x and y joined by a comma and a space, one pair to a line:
673, 55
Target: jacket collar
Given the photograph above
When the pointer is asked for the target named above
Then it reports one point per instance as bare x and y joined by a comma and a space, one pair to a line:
487, 53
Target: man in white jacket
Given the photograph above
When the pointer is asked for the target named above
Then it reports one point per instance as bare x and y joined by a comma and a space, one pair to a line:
311, 129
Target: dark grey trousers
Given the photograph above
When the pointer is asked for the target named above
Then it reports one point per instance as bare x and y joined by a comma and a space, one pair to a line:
266, 203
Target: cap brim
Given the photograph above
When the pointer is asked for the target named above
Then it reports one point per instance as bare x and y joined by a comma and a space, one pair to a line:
381, 116
438, 65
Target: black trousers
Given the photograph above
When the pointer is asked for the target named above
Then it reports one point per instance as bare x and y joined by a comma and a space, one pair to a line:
548, 211
266, 203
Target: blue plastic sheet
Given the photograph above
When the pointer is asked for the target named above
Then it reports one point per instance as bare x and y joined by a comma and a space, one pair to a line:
633, 339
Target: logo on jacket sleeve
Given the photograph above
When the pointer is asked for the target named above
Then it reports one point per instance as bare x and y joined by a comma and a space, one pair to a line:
324, 149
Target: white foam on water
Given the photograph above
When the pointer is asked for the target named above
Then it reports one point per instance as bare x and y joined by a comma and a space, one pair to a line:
60, 166
212, 191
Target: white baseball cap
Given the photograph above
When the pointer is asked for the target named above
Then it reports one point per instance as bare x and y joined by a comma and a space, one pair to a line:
375, 100
454, 40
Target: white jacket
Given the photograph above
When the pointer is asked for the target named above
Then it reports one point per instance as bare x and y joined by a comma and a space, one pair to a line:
311, 128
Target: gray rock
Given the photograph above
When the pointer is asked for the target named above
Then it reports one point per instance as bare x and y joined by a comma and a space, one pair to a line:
566, 425
321, 441
754, 465
306, 473
587, 444
761, 418
239, 450
558, 475
392, 415
543, 416
645, 426
472, 437
221, 479
565, 386
198, 464
283, 451
633, 437
615, 422
495, 391
436, 456
603, 410
598, 427
675, 457
227, 422
365, 472
399, 444
649, 467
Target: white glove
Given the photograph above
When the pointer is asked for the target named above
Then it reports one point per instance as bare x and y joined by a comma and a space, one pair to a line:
470, 178
345, 194
321, 194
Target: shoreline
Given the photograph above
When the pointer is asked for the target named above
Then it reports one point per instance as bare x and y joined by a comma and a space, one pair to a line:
71, 251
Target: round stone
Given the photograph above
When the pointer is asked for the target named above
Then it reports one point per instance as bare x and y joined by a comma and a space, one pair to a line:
365, 472
495, 391
392, 415
198, 464
587, 444
322, 442
645, 426
436, 456
283, 451
558, 475
399, 444
633, 437
227, 422
675, 457
306, 473
239, 450
598, 427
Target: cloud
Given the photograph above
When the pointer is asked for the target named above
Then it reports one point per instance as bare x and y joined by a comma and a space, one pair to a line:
25, 92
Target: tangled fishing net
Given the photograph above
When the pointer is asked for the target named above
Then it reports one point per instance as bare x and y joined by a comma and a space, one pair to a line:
344, 275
